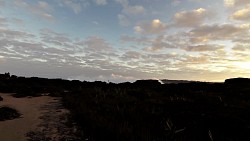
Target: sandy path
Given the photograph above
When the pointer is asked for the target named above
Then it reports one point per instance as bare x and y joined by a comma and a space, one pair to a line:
43, 118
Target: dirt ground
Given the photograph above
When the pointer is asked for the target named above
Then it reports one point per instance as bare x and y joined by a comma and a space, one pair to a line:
43, 118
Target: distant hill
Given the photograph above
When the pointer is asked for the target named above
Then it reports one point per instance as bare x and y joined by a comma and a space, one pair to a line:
238, 81
166, 81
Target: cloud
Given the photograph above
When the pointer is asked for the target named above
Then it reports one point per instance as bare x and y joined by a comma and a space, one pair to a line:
3, 22
49, 36
100, 2
13, 34
134, 10
96, 44
242, 47
128, 11
217, 32
175, 2
154, 27
195, 59
40, 8
242, 15
235, 3
75, 5
137, 40
204, 47
158, 44
124, 3
123, 20
191, 18
229, 3
2, 3
131, 55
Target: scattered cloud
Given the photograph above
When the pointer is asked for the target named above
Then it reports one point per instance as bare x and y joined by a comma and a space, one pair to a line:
13, 34
75, 5
191, 18
40, 8
134, 10
100, 2
2, 3
204, 47
137, 40
235, 3
96, 44
217, 32
3, 21
154, 27
123, 20
159, 43
129, 11
242, 47
175, 2
229, 3
242, 15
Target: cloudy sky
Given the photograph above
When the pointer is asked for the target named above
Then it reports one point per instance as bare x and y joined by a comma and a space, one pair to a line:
125, 40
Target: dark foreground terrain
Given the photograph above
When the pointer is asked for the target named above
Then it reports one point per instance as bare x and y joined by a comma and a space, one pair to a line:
147, 110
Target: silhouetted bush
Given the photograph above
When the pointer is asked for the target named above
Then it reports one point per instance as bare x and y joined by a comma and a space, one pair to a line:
7, 113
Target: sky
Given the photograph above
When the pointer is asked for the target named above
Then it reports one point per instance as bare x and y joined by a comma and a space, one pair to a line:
125, 40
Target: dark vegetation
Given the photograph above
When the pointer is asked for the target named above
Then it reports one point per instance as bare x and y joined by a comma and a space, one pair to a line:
147, 110
7, 113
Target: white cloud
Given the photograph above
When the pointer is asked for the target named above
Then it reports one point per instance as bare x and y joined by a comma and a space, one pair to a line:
154, 27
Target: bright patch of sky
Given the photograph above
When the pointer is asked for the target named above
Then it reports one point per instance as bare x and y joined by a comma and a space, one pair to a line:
125, 40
